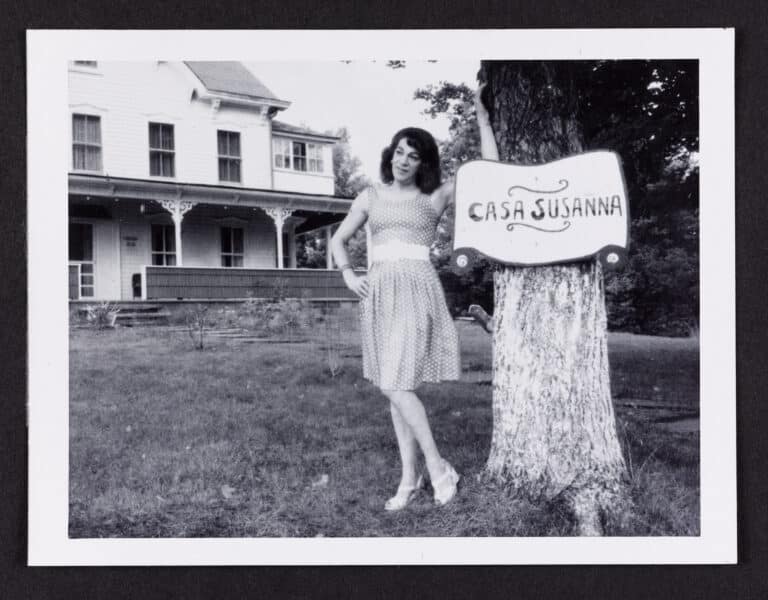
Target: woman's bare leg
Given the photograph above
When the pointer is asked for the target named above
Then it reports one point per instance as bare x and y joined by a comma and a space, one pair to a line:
406, 443
412, 411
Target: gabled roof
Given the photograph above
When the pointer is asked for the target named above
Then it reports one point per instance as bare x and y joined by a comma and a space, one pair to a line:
230, 77
281, 127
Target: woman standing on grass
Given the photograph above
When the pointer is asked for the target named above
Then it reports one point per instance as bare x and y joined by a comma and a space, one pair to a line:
408, 335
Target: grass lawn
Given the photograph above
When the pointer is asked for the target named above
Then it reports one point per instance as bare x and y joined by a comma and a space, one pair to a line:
257, 439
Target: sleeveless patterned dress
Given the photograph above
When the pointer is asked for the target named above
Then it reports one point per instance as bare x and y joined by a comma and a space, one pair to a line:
408, 335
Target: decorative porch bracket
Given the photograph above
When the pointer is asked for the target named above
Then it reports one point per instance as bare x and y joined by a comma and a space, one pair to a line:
279, 216
178, 208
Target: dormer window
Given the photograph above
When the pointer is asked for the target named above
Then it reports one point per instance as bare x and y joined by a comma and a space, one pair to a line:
298, 156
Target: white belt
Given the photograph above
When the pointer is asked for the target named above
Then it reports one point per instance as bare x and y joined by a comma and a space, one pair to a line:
395, 250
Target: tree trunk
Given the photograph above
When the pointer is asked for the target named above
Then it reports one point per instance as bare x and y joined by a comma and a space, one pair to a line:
554, 431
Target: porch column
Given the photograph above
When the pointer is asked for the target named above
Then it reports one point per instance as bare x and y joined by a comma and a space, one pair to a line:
279, 215
178, 208
328, 255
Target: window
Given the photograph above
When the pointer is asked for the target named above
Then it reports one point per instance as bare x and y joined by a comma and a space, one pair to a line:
299, 156
161, 152
315, 158
229, 156
282, 151
163, 245
86, 63
231, 247
81, 253
86, 143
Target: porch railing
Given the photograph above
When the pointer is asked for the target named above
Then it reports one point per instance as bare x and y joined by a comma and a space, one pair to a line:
215, 283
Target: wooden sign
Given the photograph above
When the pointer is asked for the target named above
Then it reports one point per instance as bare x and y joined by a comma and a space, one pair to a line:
564, 211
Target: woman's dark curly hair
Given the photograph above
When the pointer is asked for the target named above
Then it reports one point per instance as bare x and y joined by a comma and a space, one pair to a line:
428, 175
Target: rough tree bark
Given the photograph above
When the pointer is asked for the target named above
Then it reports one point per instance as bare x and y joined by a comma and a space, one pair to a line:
554, 431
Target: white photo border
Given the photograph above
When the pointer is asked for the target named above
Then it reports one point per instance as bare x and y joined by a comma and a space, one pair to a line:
48, 53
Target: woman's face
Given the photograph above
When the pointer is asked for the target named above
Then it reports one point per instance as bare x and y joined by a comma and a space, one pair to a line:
405, 162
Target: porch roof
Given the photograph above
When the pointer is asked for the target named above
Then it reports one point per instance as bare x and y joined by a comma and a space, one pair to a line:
280, 127
144, 189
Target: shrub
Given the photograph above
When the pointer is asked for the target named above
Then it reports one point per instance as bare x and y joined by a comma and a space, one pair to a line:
102, 315
197, 322
270, 317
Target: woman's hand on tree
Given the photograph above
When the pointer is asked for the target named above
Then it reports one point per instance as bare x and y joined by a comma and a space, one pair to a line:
357, 284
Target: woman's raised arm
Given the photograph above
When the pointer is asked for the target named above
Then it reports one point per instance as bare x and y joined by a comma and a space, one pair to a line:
443, 196
488, 148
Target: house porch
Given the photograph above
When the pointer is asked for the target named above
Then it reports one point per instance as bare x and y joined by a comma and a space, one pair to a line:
152, 240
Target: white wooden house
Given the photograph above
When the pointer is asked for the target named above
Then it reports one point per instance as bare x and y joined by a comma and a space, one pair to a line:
182, 185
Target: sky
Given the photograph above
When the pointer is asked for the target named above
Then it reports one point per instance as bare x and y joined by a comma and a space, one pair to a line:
372, 100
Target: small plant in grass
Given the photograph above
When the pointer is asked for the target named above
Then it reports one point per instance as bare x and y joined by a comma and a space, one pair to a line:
197, 323
634, 471
332, 339
270, 317
102, 315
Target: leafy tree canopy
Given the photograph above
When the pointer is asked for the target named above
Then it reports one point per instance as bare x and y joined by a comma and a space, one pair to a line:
647, 112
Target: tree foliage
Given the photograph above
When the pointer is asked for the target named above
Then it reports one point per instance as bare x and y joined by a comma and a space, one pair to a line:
348, 181
647, 112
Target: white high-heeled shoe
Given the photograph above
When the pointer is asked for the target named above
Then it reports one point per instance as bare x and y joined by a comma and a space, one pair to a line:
404, 496
446, 485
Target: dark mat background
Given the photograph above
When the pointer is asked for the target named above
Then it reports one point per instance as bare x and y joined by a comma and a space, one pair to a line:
747, 580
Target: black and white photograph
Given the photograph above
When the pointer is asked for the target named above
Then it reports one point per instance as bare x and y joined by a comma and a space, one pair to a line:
407, 301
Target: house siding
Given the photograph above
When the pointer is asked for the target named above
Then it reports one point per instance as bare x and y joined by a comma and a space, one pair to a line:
299, 182
201, 241
200, 238
129, 95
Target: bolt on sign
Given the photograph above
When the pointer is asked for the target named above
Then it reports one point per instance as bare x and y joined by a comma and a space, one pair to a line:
565, 211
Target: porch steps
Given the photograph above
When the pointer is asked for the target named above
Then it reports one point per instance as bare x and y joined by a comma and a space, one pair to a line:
137, 314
